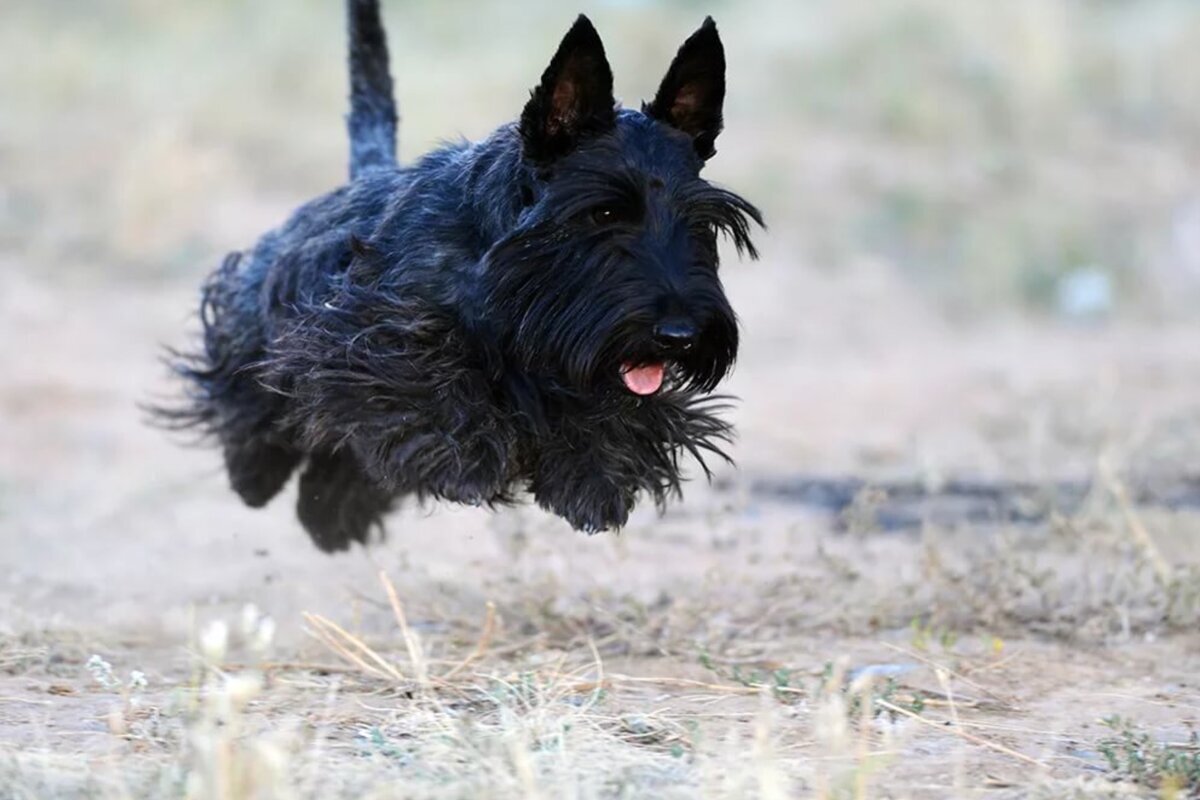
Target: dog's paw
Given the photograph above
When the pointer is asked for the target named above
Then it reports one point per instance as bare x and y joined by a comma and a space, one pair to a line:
337, 504
258, 470
590, 506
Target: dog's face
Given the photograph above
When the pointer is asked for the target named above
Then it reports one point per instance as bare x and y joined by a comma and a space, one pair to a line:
609, 278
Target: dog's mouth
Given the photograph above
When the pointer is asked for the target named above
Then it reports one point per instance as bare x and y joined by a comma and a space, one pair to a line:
643, 379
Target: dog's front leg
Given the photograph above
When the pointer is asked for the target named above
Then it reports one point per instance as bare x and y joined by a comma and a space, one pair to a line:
584, 491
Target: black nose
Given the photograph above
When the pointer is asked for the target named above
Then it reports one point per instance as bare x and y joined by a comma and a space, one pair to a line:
675, 335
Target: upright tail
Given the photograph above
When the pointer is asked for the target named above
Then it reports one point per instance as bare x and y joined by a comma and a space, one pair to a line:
372, 119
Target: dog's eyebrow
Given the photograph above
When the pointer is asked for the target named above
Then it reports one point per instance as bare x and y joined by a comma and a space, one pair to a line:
588, 187
724, 210
624, 179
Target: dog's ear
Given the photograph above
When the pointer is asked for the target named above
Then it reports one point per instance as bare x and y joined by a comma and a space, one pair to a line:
691, 95
574, 99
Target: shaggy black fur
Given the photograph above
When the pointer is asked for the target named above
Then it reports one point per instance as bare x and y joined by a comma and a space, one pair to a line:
463, 328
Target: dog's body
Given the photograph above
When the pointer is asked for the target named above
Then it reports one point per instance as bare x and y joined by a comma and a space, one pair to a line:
537, 311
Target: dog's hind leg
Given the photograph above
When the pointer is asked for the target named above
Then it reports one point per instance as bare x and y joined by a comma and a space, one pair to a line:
258, 469
338, 503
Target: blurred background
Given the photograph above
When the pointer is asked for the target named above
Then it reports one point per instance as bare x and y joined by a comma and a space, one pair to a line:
1029, 156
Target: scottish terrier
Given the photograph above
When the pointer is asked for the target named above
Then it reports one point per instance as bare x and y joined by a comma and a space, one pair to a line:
539, 311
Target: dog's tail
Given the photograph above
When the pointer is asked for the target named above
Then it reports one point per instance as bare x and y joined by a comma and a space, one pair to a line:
372, 119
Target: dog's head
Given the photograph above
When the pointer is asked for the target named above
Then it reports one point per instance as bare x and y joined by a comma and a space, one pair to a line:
608, 280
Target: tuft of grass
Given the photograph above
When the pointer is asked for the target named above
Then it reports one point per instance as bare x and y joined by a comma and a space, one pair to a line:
1134, 755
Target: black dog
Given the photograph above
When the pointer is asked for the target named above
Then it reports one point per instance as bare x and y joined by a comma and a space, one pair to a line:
537, 311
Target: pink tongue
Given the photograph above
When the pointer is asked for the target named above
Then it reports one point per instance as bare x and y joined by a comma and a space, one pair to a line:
643, 380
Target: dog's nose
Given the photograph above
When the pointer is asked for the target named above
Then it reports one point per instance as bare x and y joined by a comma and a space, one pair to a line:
675, 335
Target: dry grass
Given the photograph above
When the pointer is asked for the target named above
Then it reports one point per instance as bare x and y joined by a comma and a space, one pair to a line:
526, 701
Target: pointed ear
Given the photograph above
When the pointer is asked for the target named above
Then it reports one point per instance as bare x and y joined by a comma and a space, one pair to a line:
691, 95
574, 99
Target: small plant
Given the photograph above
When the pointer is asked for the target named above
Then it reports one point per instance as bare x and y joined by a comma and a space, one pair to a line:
871, 690
133, 718
102, 672
783, 683
1133, 755
226, 757
925, 634
132, 690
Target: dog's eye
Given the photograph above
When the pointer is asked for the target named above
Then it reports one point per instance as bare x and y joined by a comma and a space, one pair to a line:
611, 215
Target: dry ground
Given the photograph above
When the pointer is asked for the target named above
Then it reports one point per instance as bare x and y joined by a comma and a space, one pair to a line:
740, 646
